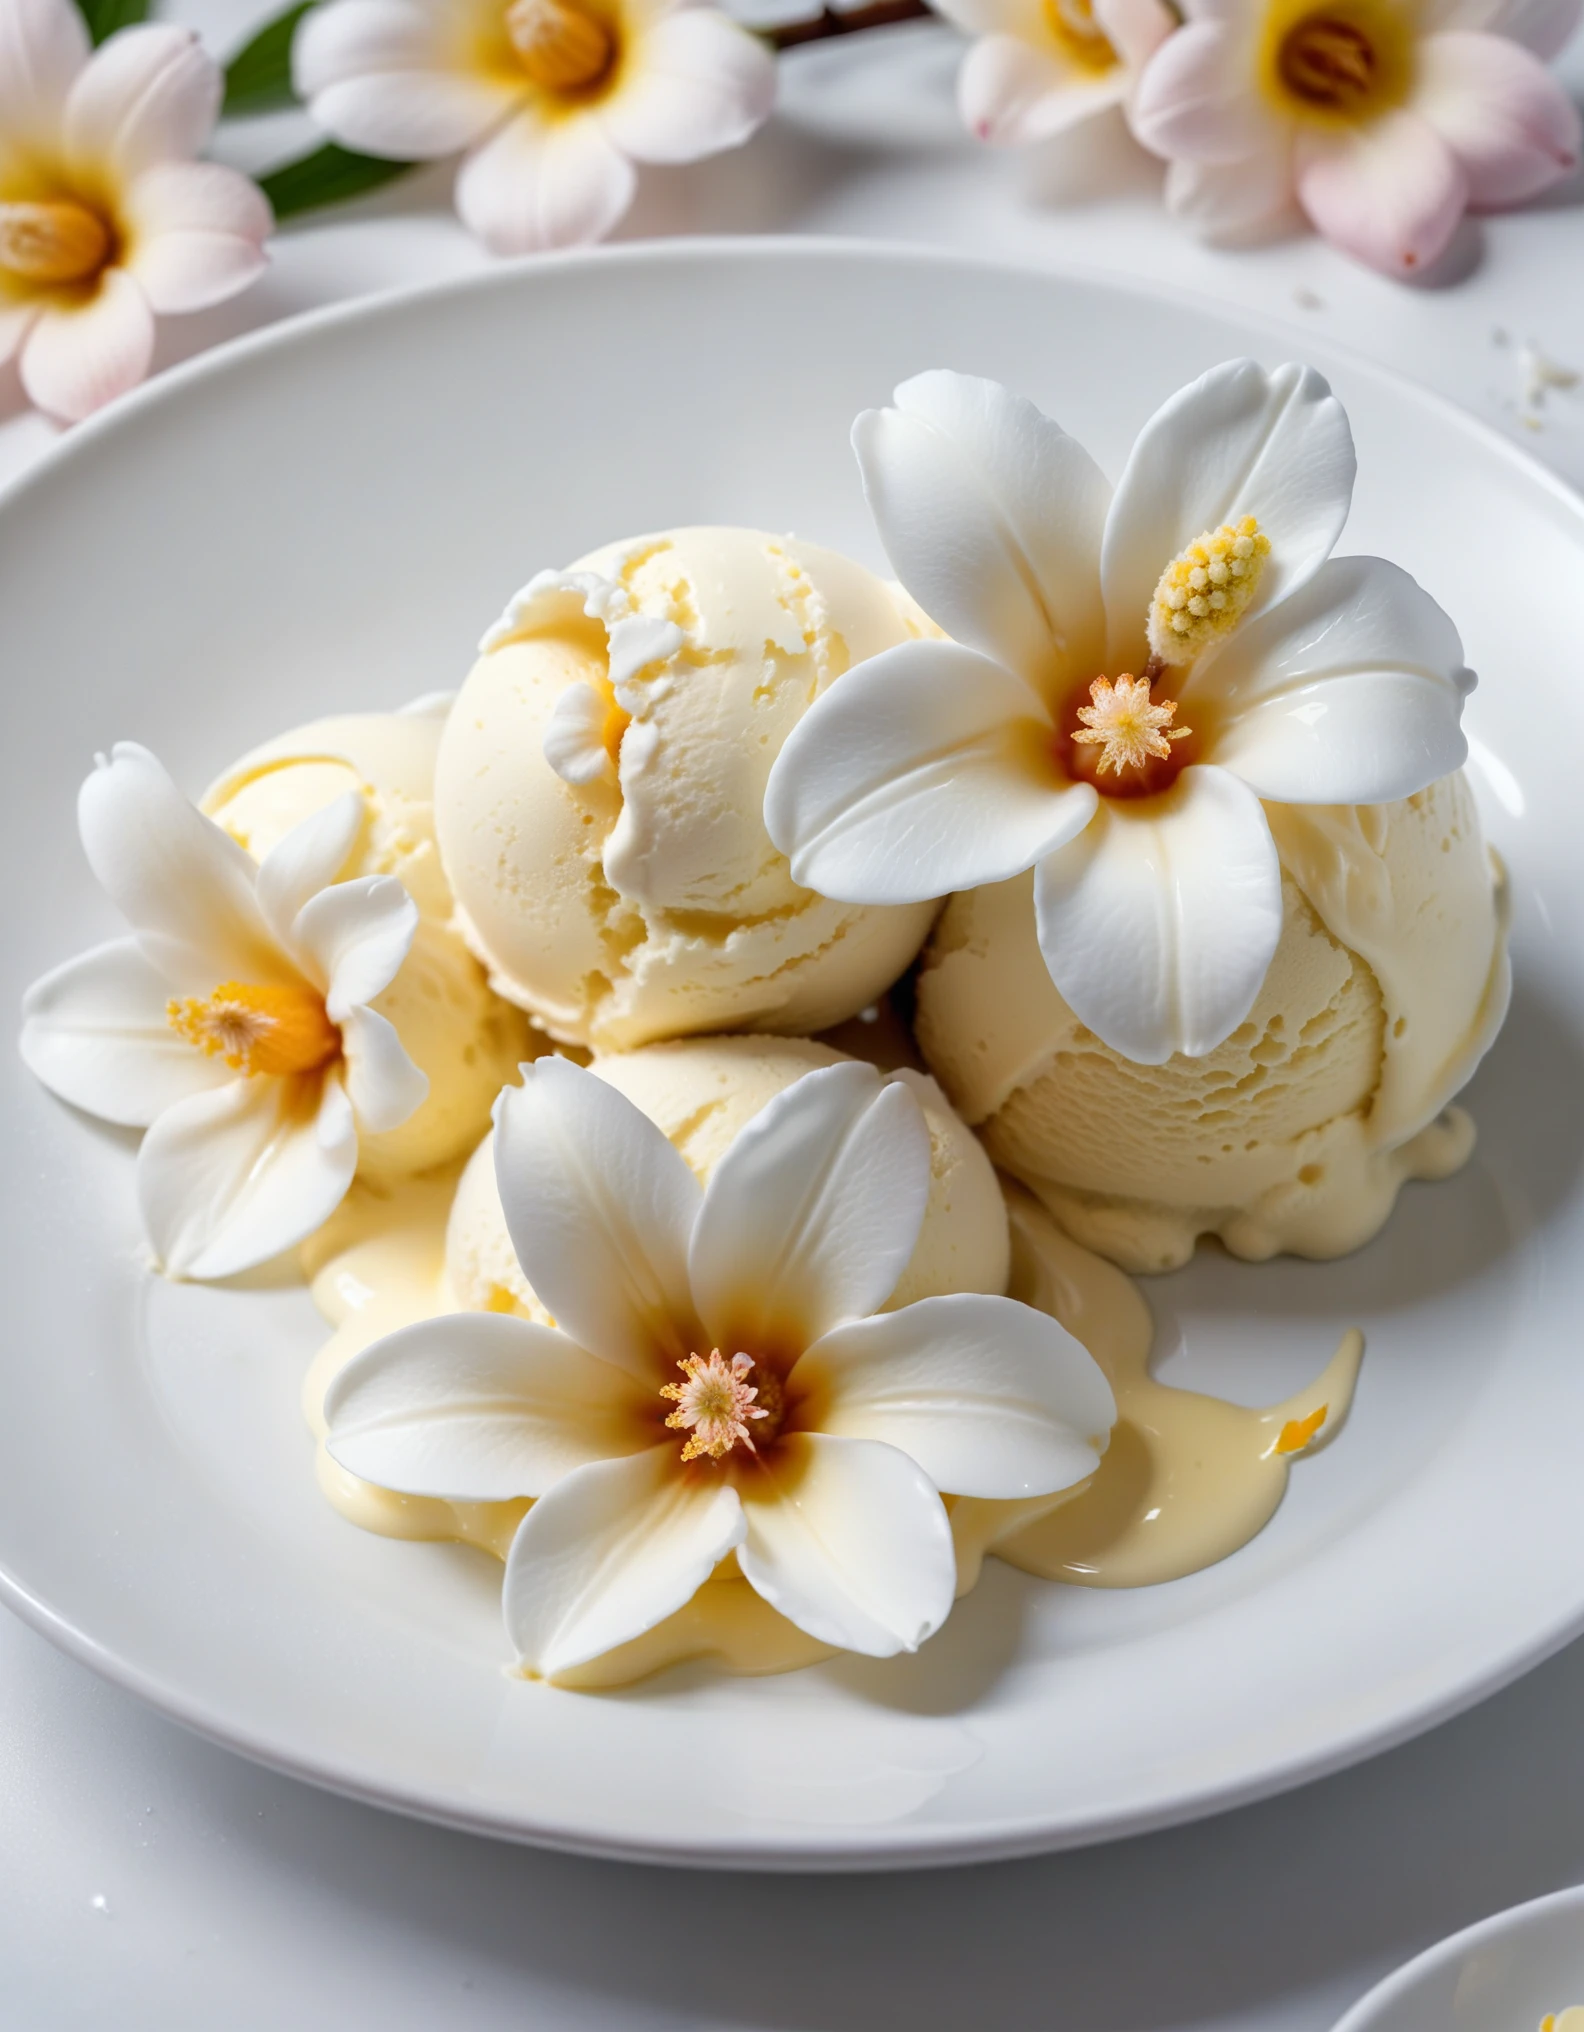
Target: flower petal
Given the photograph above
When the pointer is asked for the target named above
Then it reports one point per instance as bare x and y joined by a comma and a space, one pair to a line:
230, 1178
926, 769
1193, 98
1351, 692
813, 1213
183, 885
479, 1407
535, 185
611, 1550
384, 76
1238, 441
197, 233
1506, 119
849, 1540
1010, 94
1024, 19
78, 357
43, 46
600, 1209
150, 94
990, 1397
991, 516
382, 1083
1135, 29
1226, 200
353, 937
696, 83
1389, 194
1543, 26
307, 860
574, 736
1159, 923
95, 1032
17, 319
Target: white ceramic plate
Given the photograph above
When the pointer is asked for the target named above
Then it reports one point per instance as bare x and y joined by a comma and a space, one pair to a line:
326, 517
1507, 1974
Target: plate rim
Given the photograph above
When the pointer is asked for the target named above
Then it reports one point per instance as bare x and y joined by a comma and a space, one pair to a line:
913, 1845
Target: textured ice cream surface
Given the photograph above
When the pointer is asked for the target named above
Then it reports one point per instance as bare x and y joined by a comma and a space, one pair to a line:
702, 1092
1296, 1134
647, 901
464, 1037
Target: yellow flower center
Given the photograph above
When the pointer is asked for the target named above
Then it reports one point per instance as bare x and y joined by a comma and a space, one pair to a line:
1126, 725
559, 45
257, 1027
1072, 26
1340, 62
52, 242
1206, 589
715, 1403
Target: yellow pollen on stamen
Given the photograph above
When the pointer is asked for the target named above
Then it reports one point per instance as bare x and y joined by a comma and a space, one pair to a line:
559, 45
713, 1404
52, 242
1127, 725
1298, 1432
257, 1027
1206, 589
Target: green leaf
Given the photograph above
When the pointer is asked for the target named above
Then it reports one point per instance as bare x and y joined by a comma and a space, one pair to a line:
329, 176
258, 78
104, 17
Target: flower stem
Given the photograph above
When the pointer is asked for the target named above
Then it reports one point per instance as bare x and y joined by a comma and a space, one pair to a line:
875, 14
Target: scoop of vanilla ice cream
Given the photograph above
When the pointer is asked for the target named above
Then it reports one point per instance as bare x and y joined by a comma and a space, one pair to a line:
1389, 982
465, 1038
701, 1092
645, 899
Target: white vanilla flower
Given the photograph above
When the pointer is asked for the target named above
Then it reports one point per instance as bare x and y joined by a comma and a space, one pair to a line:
721, 1379
552, 100
1040, 67
1132, 674
106, 222
234, 1024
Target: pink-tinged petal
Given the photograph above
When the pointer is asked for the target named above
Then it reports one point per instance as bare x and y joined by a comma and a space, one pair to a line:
1225, 201
990, 1397
1543, 26
393, 78
1011, 94
306, 860
150, 94
1197, 97
849, 1540
351, 939
1389, 194
95, 1032
813, 1213
196, 233
600, 1209
535, 185
1238, 441
76, 358
1351, 692
16, 321
1135, 29
43, 46
480, 1407
1506, 119
924, 770
382, 1083
1158, 924
991, 516
183, 885
698, 83
228, 1179
611, 1550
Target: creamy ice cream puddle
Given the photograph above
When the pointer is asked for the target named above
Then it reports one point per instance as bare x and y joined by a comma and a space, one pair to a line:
1188, 1478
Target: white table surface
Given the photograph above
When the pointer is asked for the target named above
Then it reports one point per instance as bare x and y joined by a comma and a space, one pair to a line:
148, 1880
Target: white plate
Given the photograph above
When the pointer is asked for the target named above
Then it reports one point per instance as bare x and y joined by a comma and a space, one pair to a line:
326, 517
1507, 1974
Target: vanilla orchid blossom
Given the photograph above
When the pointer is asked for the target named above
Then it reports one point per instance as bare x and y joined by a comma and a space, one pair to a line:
1384, 120
553, 101
234, 1024
106, 221
1132, 674
1041, 67
721, 1379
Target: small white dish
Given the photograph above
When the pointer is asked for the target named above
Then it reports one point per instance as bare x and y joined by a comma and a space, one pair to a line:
1509, 1973
326, 517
